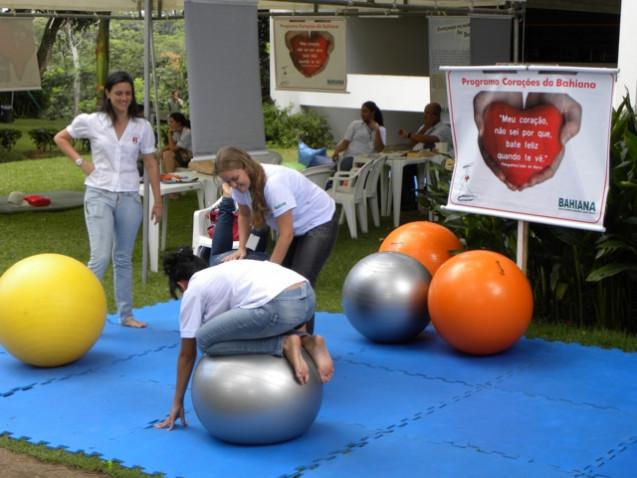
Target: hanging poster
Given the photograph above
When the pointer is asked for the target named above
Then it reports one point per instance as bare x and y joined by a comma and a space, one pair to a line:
531, 143
18, 61
449, 44
310, 54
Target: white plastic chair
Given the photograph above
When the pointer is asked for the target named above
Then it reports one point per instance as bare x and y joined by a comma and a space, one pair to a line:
347, 190
267, 157
371, 188
200, 224
319, 175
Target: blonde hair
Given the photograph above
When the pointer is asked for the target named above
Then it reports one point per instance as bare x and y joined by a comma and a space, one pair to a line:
230, 158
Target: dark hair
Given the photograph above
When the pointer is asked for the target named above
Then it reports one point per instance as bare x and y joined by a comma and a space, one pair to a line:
180, 118
181, 265
231, 157
113, 79
373, 107
436, 109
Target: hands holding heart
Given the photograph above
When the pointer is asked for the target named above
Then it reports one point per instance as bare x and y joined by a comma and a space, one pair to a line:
524, 145
309, 50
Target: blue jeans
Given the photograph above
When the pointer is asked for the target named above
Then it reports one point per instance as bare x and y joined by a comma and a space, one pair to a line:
259, 330
222, 241
112, 221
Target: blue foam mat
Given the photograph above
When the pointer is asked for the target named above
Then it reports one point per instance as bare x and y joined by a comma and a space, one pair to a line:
541, 409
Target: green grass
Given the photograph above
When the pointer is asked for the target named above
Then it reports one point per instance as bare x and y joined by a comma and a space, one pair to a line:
25, 147
64, 232
79, 461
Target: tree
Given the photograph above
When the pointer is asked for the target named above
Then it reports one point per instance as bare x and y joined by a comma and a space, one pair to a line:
51, 29
49, 35
101, 58
75, 56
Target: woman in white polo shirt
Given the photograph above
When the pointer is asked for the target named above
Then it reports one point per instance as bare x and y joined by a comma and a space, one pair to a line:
364, 136
241, 307
302, 214
112, 205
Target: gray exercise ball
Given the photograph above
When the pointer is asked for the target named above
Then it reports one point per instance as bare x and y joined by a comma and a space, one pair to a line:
385, 297
254, 399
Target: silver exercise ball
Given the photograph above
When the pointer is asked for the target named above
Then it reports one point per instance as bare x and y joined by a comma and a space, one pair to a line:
254, 399
385, 297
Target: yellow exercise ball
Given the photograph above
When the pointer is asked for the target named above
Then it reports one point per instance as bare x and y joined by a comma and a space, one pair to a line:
52, 310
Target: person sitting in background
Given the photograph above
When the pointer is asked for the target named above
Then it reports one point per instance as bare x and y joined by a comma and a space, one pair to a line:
175, 103
432, 131
364, 136
223, 238
178, 151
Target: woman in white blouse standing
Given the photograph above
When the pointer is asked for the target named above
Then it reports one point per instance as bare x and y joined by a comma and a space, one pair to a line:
112, 205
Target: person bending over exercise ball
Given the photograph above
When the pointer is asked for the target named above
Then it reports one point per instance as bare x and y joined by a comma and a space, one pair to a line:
112, 205
302, 214
241, 307
178, 151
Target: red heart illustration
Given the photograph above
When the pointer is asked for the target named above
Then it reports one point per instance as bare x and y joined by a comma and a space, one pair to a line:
309, 51
522, 142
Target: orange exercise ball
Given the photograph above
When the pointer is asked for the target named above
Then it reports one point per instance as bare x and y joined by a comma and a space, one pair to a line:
429, 243
480, 302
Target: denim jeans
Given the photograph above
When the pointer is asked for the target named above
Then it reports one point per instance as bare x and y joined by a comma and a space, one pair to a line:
259, 330
112, 221
222, 242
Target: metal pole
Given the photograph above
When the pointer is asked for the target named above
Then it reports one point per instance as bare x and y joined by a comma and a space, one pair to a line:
147, 32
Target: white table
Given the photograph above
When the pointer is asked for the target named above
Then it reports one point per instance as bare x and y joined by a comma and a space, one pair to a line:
198, 186
397, 163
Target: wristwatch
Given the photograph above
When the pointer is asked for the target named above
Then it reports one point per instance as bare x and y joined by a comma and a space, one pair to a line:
78, 162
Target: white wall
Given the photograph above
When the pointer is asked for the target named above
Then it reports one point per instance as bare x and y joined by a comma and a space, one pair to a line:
396, 51
627, 61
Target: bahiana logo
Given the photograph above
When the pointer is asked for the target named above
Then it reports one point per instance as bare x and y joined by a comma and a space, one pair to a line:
577, 205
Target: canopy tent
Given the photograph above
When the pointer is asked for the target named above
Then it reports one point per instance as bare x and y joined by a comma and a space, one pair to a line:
170, 5
110, 7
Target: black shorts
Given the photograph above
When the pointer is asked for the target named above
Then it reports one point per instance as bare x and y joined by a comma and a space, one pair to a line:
183, 157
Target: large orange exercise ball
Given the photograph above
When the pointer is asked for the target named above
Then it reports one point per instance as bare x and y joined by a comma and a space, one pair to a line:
480, 302
429, 243
52, 310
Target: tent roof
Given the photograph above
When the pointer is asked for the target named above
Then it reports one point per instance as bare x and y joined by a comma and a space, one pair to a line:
167, 5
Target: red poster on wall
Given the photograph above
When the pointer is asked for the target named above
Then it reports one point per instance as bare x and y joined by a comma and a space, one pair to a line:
309, 54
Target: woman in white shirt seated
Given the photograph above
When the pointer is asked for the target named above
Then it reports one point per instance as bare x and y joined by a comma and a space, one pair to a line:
178, 151
364, 136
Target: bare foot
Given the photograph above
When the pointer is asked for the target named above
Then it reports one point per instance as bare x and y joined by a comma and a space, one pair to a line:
315, 346
292, 352
135, 324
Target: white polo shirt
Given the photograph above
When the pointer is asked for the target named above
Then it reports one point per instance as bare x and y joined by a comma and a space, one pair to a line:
441, 130
244, 284
287, 189
361, 138
115, 160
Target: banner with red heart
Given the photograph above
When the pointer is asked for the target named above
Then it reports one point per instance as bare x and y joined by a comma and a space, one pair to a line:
522, 143
309, 51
